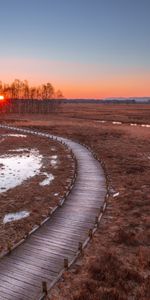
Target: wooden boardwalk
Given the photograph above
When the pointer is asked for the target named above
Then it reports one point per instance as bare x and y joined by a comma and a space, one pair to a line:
41, 256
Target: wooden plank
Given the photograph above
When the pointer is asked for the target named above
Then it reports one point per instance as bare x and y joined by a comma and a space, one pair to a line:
19, 278
42, 273
11, 294
35, 268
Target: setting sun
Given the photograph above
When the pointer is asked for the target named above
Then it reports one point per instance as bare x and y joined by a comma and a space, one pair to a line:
1, 97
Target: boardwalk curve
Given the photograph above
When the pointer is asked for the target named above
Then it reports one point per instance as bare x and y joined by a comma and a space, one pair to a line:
41, 256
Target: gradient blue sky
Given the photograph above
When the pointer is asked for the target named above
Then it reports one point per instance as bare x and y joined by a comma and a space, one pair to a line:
88, 48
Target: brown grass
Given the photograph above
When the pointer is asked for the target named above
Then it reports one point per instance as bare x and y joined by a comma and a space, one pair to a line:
116, 263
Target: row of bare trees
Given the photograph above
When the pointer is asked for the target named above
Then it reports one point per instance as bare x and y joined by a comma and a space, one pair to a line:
29, 106
22, 90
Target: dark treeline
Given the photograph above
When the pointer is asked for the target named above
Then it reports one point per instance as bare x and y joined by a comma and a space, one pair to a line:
29, 106
22, 90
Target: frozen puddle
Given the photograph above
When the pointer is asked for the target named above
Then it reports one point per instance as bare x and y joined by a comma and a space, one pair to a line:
133, 124
101, 121
116, 195
19, 150
47, 180
145, 125
14, 135
116, 123
54, 160
54, 156
14, 169
15, 216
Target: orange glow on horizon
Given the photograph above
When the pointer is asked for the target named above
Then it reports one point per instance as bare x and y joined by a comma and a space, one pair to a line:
130, 87
79, 80
98, 87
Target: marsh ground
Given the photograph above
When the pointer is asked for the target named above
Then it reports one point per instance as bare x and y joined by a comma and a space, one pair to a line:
116, 263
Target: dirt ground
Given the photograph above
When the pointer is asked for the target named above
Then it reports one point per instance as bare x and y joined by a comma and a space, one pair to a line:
116, 264
30, 195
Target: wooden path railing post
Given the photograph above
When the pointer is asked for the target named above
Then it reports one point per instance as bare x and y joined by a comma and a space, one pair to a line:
66, 263
80, 247
90, 233
44, 288
96, 222
9, 247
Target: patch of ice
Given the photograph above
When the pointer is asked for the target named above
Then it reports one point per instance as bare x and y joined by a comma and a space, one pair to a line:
54, 156
56, 194
19, 150
17, 168
115, 195
133, 124
15, 216
53, 162
116, 123
15, 135
101, 121
145, 125
47, 180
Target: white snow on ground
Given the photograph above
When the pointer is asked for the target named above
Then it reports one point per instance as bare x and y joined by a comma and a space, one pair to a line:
14, 135
145, 125
116, 123
14, 169
19, 150
56, 194
15, 216
102, 121
47, 180
120, 123
54, 156
115, 195
53, 162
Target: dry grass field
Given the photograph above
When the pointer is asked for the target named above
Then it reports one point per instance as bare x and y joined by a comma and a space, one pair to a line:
116, 264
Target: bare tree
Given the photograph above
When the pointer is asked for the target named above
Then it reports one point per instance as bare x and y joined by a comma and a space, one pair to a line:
59, 94
23, 98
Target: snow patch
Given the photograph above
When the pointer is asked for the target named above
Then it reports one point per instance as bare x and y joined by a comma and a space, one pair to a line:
15, 216
145, 125
17, 168
116, 123
115, 195
47, 180
15, 135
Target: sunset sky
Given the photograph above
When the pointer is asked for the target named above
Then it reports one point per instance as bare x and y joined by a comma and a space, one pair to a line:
87, 48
